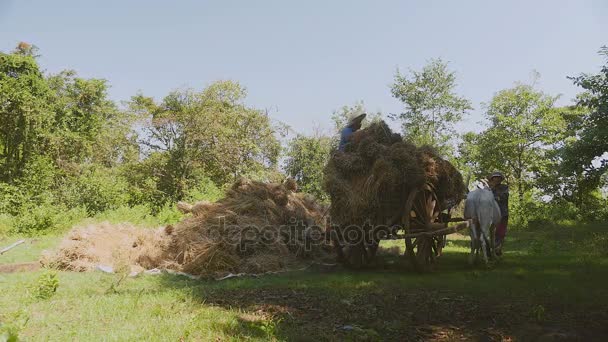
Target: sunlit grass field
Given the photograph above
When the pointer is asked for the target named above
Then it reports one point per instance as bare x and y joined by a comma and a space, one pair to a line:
548, 280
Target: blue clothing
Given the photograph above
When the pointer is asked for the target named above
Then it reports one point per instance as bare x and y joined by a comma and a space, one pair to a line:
344, 137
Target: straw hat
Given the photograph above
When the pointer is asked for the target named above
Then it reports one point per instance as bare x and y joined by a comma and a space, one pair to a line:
497, 174
354, 118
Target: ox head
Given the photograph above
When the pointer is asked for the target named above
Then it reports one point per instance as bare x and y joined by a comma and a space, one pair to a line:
478, 184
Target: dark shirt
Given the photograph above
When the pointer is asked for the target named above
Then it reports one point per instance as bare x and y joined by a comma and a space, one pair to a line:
344, 137
501, 193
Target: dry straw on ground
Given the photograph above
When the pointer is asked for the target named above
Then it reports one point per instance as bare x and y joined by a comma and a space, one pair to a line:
107, 244
257, 227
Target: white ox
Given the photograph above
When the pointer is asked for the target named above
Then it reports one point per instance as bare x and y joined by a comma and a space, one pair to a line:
482, 208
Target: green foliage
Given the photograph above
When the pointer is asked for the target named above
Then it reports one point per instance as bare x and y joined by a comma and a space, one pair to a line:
524, 124
56, 133
24, 113
431, 105
11, 199
524, 128
144, 180
36, 219
43, 219
598, 245
88, 126
11, 325
95, 188
6, 222
211, 132
592, 137
46, 285
67, 151
305, 159
203, 190
137, 215
168, 214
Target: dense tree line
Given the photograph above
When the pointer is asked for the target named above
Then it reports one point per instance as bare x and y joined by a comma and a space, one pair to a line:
554, 158
65, 146
67, 149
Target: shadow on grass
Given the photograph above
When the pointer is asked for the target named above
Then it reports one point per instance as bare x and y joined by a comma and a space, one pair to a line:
528, 294
247, 329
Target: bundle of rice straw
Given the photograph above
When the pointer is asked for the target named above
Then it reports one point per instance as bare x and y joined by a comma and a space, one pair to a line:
371, 179
257, 227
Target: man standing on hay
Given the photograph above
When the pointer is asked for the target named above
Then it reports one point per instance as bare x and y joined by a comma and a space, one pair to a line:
354, 124
501, 194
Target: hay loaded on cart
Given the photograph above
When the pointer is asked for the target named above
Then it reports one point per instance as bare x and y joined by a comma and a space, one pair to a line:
382, 187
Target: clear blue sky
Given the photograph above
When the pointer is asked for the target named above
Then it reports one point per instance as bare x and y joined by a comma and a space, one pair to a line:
303, 59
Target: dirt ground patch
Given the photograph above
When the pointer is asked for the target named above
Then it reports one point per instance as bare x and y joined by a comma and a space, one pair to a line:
20, 267
419, 315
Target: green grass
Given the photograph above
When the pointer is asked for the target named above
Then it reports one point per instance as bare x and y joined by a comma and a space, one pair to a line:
28, 251
548, 280
143, 309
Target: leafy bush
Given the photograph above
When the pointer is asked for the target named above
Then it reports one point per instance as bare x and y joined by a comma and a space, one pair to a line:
598, 245
36, 219
96, 188
11, 199
137, 215
11, 325
43, 219
6, 222
46, 285
306, 158
143, 179
168, 214
33, 188
204, 190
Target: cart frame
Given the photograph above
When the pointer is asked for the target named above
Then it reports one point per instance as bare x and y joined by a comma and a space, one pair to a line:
423, 225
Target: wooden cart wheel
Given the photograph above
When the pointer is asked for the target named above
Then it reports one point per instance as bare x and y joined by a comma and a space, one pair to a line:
422, 208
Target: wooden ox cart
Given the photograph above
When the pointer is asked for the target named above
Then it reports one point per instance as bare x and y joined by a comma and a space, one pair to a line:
423, 224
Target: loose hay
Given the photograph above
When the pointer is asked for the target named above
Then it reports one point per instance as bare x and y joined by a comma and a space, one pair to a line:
257, 227
102, 244
371, 179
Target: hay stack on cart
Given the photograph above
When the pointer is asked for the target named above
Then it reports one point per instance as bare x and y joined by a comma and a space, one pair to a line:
390, 188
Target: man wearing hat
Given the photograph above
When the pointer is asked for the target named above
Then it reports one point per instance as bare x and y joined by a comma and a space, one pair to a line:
501, 193
354, 124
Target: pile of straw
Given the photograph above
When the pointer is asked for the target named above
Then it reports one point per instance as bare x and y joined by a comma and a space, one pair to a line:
84, 248
257, 227
371, 179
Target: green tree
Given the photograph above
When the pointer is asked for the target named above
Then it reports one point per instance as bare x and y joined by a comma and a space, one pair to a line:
468, 156
25, 113
524, 127
88, 125
55, 130
305, 159
432, 106
211, 133
592, 131
579, 161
